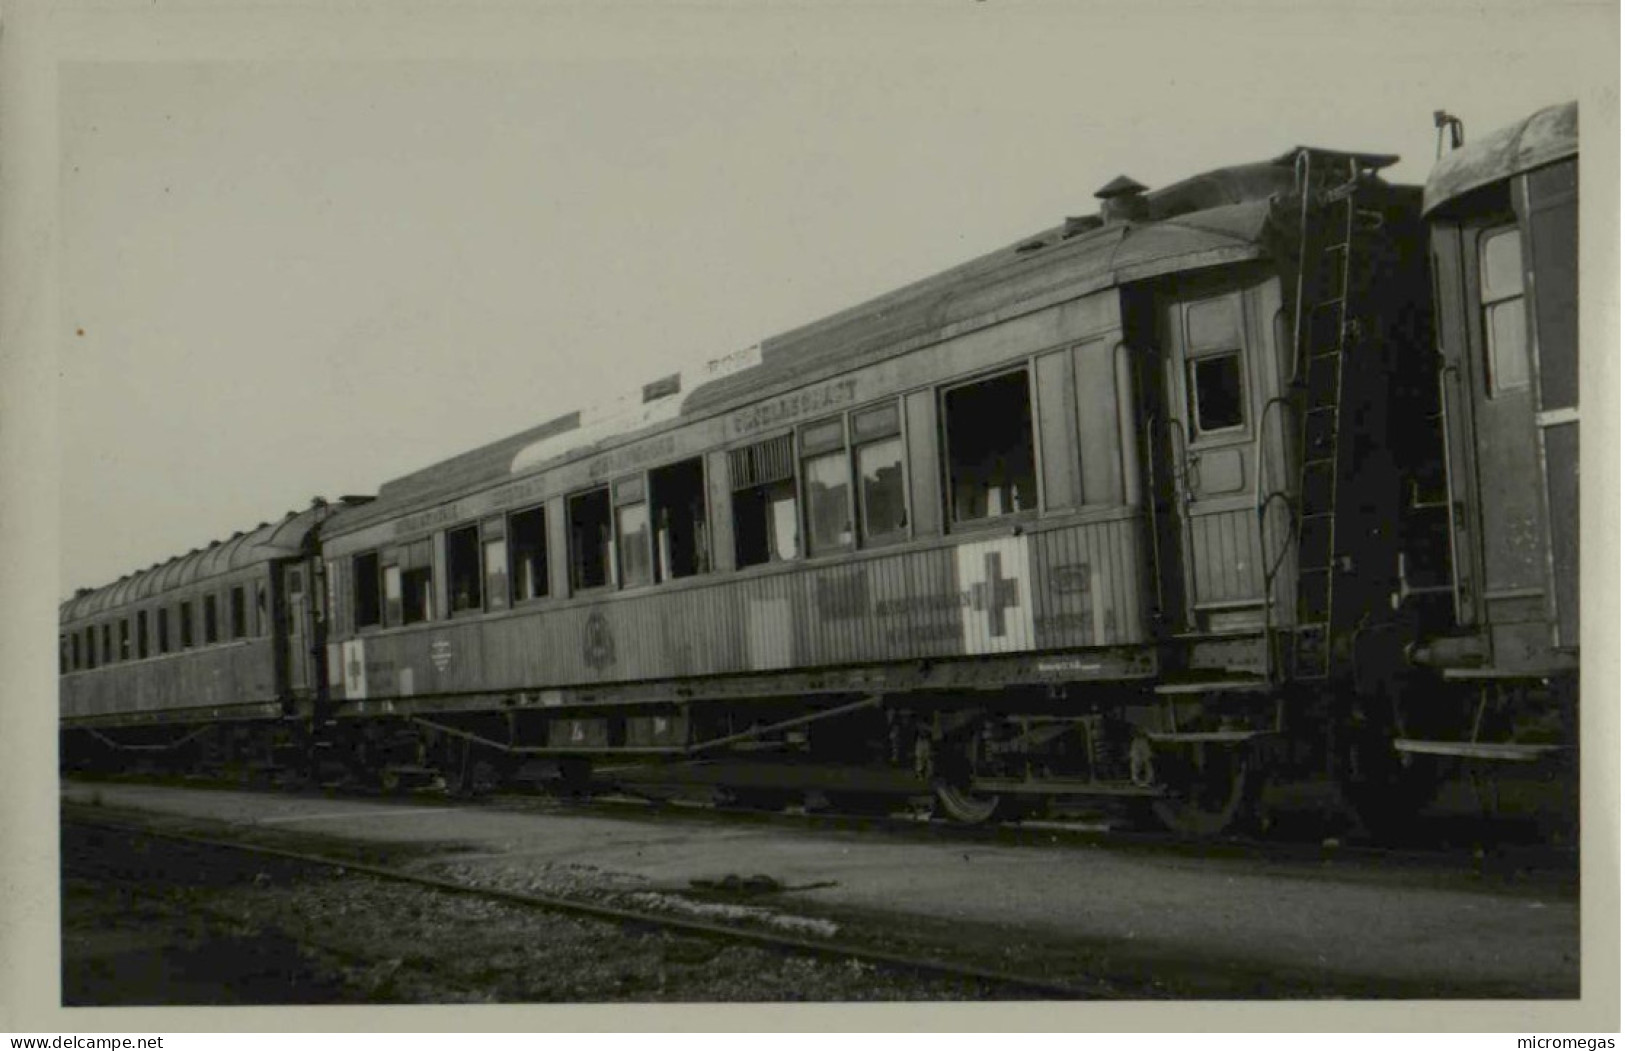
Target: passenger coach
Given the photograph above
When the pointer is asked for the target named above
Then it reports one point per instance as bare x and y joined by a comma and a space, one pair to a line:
1030, 527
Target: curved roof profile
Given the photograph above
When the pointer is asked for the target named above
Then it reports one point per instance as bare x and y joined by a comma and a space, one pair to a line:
1218, 217
1545, 136
280, 539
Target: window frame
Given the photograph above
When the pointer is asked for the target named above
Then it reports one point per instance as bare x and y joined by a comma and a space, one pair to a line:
755, 486
515, 600
377, 591
951, 520
1492, 372
1193, 404
478, 606
572, 553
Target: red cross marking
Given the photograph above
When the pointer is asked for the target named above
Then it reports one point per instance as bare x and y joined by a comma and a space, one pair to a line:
995, 594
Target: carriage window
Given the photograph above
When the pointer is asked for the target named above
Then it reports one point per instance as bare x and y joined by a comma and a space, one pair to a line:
677, 502
239, 614
764, 502
496, 573
463, 569
1217, 402
392, 596
881, 504
365, 598
186, 625
64, 663
261, 606
1500, 274
826, 480
527, 532
141, 634
211, 619
74, 643
163, 630
991, 465
417, 595
589, 539
90, 648
124, 640
632, 527
107, 644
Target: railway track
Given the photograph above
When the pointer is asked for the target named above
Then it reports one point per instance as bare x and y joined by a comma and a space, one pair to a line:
1458, 842
993, 983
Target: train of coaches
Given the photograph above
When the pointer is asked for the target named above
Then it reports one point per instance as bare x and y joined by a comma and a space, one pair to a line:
1273, 471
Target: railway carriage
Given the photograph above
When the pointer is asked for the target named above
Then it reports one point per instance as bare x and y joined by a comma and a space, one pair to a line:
1032, 527
1142, 507
1503, 219
202, 662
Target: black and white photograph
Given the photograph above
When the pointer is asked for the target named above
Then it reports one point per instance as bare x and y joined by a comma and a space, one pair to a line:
961, 504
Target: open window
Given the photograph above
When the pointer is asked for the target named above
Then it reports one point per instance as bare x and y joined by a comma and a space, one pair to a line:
463, 569
1506, 335
124, 639
365, 597
186, 625
141, 634
991, 462
239, 613
527, 552
211, 619
677, 502
64, 655
73, 642
764, 502
632, 533
826, 478
107, 644
90, 648
262, 607
417, 582
163, 629
1218, 401
590, 532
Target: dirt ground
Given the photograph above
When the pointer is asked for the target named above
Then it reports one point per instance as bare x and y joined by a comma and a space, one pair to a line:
1154, 922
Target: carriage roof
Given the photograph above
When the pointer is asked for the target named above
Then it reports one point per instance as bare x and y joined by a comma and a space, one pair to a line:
1212, 219
1545, 136
269, 541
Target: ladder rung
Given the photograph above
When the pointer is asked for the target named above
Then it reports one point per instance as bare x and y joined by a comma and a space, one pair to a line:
1317, 514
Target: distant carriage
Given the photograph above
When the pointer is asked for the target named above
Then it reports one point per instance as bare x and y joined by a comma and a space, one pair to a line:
1143, 507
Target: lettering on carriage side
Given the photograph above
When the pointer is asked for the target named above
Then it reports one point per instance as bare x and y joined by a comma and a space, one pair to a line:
630, 456
1070, 579
597, 642
440, 654
793, 406
427, 519
844, 596
515, 493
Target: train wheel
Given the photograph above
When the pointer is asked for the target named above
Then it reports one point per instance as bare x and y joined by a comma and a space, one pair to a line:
1212, 790
965, 806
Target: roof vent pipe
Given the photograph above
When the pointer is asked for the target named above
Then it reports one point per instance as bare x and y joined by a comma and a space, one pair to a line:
1122, 199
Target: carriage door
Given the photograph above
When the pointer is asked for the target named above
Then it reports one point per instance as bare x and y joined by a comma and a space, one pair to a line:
1212, 416
295, 614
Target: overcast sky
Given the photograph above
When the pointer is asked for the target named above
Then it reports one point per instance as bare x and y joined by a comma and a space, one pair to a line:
290, 279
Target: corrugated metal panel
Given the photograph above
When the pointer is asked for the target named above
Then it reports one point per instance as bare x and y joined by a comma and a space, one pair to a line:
1077, 586
1226, 556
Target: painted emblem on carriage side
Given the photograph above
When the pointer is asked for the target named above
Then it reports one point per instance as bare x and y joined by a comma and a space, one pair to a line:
440, 654
355, 670
597, 643
998, 614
